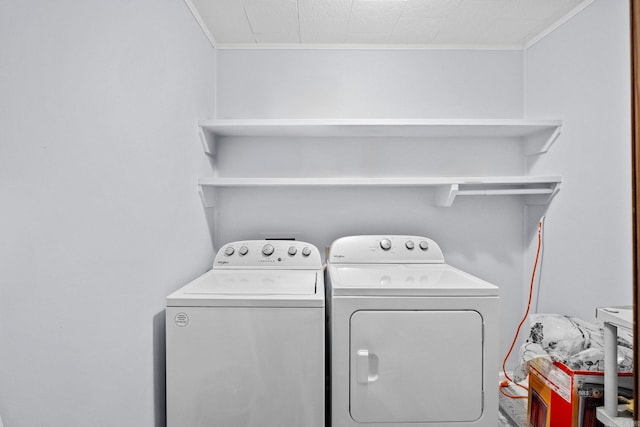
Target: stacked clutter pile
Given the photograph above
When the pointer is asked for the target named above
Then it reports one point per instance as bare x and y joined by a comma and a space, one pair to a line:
564, 361
577, 344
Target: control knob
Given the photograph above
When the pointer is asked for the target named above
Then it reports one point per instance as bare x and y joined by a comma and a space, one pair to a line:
424, 245
243, 250
229, 251
306, 251
410, 245
292, 250
267, 249
385, 244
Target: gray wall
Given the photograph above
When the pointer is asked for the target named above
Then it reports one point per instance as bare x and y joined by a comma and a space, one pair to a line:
376, 83
580, 73
99, 159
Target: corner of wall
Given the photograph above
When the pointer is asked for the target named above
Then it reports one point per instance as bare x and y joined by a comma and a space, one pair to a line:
215, 82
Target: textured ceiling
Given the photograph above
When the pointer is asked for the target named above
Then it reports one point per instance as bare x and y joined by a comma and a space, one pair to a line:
376, 23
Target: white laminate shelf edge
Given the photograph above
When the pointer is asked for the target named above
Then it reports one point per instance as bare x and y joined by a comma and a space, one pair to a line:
538, 190
619, 316
538, 135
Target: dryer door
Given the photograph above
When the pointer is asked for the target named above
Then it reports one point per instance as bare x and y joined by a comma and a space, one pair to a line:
416, 366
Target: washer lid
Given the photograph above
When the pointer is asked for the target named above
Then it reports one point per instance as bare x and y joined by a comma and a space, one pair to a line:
262, 288
406, 280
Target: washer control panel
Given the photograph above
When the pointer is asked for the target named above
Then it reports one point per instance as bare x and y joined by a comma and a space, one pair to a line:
383, 249
268, 254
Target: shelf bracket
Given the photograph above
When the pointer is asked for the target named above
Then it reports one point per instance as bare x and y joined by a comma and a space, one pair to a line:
543, 199
208, 140
444, 195
541, 142
208, 195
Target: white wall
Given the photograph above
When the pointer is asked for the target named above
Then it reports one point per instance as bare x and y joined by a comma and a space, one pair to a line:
483, 235
580, 74
100, 219
331, 83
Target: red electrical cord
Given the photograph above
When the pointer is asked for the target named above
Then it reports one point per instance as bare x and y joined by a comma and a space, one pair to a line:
504, 384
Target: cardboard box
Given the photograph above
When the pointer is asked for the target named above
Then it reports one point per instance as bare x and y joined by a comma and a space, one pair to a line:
561, 397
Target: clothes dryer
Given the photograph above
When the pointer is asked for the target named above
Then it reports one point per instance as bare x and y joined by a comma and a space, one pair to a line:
414, 341
245, 342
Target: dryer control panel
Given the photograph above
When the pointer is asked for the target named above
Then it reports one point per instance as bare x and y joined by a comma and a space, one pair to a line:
268, 254
383, 249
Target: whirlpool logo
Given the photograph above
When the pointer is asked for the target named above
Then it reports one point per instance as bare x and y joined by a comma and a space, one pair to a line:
181, 319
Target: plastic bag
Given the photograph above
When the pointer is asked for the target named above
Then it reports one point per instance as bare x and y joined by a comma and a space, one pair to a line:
572, 341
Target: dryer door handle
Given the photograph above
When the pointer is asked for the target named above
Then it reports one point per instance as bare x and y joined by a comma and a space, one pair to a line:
366, 367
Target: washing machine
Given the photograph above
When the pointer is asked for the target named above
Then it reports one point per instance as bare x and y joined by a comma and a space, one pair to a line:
413, 340
245, 342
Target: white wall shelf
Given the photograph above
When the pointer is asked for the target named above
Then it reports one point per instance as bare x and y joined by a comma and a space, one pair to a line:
537, 135
538, 190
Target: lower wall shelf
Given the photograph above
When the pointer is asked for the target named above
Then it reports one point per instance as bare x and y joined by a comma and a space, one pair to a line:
538, 190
